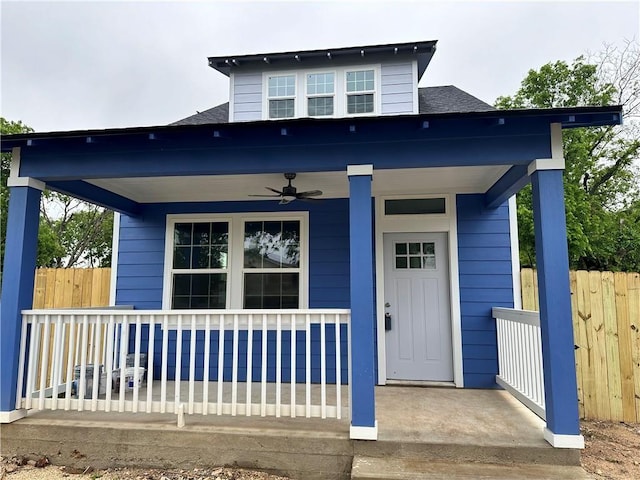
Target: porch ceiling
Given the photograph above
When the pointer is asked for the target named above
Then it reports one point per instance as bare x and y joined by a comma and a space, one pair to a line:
208, 188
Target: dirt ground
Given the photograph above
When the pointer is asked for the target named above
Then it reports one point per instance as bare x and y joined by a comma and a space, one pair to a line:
612, 452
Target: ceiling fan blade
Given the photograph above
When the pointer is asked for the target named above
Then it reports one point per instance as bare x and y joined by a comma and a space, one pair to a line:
310, 193
286, 200
274, 190
270, 196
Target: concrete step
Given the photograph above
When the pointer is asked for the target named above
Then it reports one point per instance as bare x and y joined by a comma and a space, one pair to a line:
504, 453
370, 468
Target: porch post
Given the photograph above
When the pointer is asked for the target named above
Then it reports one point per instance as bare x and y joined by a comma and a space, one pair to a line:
363, 402
17, 280
561, 393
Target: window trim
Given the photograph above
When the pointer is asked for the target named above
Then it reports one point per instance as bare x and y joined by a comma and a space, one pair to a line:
235, 270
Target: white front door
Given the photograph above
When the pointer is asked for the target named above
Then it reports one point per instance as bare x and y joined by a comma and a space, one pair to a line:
417, 307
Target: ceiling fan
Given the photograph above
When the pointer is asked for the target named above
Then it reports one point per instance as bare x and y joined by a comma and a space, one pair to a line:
289, 193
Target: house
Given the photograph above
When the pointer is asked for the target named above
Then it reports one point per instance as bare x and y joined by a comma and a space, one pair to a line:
383, 249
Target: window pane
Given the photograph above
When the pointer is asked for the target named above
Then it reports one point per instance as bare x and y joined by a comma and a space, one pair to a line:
282, 86
272, 245
218, 256
415, 262
401, 262
182, 234
429, 262
414, 206
281, 108
414, 248
429, 248
201, 233
182, 257
401, 248
318, 83
199, 290
200, 257
360, 80
319, 106
271, 290
360, 103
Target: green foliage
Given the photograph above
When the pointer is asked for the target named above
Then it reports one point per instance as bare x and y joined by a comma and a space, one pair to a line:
601, 181
71, 232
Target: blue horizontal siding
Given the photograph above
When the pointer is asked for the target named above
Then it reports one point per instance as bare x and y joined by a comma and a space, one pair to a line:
484, 255
141, 249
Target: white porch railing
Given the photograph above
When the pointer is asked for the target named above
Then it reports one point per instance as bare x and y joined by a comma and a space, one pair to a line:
520, 356
263, 362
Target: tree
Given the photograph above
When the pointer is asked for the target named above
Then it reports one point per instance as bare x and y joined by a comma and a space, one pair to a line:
71, 232
601, 181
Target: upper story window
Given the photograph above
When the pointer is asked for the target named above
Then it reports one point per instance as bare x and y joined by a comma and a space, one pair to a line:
320, 94
360, 91
282, 94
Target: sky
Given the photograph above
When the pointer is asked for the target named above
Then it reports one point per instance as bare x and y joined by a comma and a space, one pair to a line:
92, 65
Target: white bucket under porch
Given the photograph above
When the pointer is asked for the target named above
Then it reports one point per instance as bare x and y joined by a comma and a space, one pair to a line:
290, 363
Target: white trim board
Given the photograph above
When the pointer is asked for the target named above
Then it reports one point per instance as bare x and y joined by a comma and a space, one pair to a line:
515, 253
114, 258
563, 441
446, 222
363, 433
12, 416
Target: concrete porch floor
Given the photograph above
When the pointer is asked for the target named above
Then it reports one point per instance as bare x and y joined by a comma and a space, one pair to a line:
432, 424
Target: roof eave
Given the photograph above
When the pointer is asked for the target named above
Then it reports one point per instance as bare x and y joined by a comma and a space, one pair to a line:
571, 117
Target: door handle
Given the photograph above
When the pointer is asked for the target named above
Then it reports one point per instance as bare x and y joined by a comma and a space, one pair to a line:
387, 321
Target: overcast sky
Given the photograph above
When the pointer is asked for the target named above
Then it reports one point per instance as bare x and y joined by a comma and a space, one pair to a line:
84, 65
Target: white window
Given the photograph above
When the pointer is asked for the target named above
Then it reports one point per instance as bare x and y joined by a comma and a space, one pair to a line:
360, 91
282, 94
236, 261
320, 94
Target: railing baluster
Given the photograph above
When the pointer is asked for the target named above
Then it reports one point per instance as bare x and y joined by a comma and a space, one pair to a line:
278, 363
206, 364
293, 365
70, 356
34, 349
56, 370
323, 366
110, 337
165, 361
192, 364
23, 361
81, 388
178, 375
44, 364
338, 371
220, 362
307, 347
263, 372
248, 401
234, 367
122, 363
150, 353
95, 384
136, 363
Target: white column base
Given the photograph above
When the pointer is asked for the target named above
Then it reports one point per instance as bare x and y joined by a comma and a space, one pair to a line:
12, 416
363, 433
563, 441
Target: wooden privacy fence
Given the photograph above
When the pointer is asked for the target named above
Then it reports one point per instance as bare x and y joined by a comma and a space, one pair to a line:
606, 324
71, 287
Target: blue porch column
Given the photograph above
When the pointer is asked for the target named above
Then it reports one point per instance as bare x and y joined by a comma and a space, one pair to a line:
363, 402
17, 283
561, 394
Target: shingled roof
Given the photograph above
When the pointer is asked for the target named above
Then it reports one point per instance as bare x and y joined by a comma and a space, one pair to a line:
431, 100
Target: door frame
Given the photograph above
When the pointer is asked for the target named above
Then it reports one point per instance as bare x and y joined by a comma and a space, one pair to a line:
431, 223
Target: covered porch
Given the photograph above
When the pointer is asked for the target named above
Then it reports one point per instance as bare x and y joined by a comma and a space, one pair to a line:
436, 429
475, 162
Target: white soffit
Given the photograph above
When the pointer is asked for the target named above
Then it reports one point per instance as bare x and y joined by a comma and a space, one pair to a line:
333, 184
